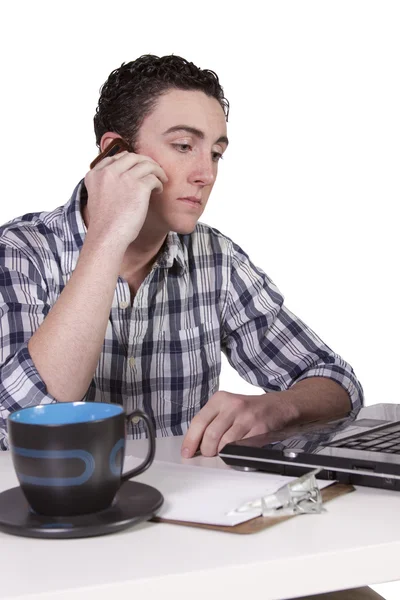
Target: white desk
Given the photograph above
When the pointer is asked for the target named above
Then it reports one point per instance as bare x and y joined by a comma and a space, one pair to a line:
356, 542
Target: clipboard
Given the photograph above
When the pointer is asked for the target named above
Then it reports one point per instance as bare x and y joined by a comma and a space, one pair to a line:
260, 523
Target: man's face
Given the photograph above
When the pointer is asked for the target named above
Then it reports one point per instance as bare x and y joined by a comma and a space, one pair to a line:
186, 135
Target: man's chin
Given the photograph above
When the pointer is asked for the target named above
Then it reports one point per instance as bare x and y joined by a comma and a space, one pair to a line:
183, 228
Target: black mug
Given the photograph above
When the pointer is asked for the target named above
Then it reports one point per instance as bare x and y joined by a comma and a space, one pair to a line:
69, 456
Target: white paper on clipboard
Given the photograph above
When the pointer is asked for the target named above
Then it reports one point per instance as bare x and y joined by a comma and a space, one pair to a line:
206, 495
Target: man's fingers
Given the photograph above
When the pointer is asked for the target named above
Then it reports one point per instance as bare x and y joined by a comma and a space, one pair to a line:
236, 432
107, 160
225, 418
124, 161
139, 166
144, 168
215, 432
259, 429
154, 183
194, 434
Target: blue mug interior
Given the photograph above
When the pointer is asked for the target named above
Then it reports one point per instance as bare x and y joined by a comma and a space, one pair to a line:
65, 413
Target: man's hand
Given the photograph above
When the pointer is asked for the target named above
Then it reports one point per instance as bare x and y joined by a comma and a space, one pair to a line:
119, 189
230, 417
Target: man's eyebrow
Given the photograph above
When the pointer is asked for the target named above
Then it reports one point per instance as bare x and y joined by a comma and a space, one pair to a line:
194, 131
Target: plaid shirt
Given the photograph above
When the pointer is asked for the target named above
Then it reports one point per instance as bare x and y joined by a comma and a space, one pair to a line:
163, 353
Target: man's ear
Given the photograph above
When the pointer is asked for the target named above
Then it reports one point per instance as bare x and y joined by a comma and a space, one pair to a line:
107, 138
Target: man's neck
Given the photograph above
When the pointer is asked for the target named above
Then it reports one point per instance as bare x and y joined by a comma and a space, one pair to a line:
140, 255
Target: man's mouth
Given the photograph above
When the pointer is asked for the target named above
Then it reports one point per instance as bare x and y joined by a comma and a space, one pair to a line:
191, 200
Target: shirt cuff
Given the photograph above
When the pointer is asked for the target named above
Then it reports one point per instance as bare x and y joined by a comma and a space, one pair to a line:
20, 386
344, 377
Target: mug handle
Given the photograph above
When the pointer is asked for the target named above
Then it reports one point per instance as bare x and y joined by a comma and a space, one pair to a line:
152, 444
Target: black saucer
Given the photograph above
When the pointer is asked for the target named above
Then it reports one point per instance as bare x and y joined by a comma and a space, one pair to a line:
133, 503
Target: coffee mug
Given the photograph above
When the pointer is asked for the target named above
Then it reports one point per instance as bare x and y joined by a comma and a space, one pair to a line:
68, 456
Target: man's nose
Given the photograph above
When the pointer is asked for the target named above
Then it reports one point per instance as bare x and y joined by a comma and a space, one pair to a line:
203, 172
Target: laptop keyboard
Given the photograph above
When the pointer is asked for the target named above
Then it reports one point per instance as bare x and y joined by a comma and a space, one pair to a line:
386, 440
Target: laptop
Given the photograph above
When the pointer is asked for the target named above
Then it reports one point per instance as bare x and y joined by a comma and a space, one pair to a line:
361, 449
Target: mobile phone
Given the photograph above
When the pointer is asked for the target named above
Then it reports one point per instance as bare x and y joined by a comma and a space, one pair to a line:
117, 145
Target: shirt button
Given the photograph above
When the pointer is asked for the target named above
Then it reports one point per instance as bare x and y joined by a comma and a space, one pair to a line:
135, 420
124, 304
131, 362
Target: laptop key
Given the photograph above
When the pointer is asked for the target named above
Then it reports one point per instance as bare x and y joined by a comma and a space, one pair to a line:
385, 445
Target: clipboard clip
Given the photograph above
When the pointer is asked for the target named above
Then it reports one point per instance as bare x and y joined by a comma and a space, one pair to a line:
298, 497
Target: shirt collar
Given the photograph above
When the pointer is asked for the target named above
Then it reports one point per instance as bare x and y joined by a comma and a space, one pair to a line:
75, 230
174, 252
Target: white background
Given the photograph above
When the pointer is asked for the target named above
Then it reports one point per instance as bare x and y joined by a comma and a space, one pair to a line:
310, 183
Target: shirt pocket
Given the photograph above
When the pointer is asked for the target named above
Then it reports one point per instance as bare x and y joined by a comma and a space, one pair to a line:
191, 363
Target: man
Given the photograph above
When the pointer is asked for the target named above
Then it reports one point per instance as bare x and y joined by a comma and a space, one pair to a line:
121, 296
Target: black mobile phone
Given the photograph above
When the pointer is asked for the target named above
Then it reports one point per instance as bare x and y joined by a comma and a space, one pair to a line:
117, 145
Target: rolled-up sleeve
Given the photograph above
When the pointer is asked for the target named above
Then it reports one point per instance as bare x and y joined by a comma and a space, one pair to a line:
23, 307
267, 344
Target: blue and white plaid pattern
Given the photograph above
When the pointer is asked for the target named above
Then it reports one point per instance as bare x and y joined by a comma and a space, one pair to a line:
163, 353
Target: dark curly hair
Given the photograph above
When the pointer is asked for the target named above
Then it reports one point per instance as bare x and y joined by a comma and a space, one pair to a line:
131, 92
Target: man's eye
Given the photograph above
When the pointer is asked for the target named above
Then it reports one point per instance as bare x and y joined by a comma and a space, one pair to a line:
182, 147
217, 156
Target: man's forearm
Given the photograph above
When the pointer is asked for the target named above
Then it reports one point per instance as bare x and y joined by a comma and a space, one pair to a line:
309, 400
66, 347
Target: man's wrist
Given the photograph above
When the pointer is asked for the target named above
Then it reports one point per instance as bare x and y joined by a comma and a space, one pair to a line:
282, 409
311, 399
